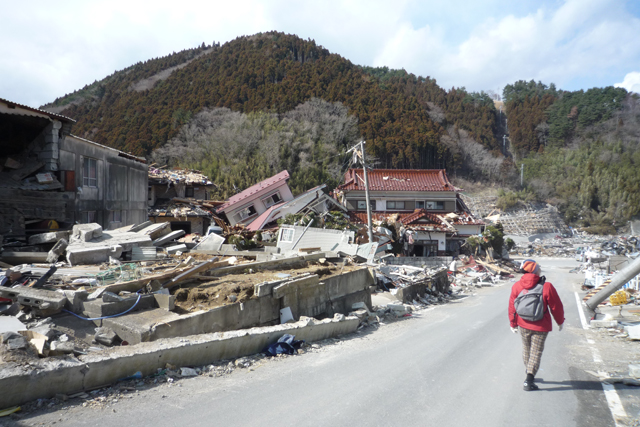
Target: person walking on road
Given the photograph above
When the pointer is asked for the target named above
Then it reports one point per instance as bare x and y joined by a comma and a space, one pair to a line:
534, 332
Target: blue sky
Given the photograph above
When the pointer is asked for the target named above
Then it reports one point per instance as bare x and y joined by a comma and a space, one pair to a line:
50, 49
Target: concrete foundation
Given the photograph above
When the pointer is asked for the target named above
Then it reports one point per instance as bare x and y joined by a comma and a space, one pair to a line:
48, 377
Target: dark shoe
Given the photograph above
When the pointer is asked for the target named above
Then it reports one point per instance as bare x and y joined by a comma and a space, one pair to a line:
529, 386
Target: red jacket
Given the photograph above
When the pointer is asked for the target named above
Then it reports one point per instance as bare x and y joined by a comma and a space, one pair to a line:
549, 297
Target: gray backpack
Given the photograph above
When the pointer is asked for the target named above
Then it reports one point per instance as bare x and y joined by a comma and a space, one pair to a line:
529, 304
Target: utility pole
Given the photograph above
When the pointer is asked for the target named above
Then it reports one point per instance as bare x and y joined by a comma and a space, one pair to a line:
366, 192
522, 175
366, 186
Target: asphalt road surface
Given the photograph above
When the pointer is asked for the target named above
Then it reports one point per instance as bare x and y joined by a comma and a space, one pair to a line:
454, 365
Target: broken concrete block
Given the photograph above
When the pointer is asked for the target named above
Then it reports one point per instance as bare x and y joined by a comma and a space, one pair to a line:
105, 336
57, 250
6, 336
61, 347
75, 300
111, 297
38, 298
92, 254
85, 232
360, 306
633, 331
169, 237
166, 302
176, 249
46, 331
604, 324
139, 227
155, 231
37, 340
16, 342
100, 308
188, 372
53, 237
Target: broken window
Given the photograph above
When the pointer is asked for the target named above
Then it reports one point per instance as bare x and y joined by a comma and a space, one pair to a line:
435, 205
90, 172
245, 213
419, 204
395, 204
272, 200
286, 235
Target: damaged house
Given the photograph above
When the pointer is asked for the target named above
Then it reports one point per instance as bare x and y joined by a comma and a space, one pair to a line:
51, 179
181, 198
246, 206
422, 202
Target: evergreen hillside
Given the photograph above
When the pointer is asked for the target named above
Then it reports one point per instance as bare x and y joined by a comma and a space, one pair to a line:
402, 117
245, 110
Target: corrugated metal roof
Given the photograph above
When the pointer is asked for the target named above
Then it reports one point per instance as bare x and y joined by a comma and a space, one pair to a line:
120, 153
242, 196
398, 180
37, 110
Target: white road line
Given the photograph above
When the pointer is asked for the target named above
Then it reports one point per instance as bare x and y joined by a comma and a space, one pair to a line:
615, 405
583, 318
610, 392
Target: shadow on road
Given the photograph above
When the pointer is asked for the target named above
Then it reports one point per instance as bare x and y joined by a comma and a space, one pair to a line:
569, 385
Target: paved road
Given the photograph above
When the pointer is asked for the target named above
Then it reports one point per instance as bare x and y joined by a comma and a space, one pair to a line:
455, 365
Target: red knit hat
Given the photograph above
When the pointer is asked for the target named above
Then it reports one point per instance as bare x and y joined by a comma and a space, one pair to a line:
530, 266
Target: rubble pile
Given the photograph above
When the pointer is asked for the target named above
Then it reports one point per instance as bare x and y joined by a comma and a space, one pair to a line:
528, 219
173, 176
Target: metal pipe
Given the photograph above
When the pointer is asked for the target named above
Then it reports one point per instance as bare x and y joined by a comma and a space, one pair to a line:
617, 281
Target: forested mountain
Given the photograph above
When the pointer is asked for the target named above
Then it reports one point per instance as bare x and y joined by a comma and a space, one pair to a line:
402, 117
245, 110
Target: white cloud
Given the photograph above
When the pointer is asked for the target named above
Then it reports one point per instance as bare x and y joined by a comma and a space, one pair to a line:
581, 40
631, 82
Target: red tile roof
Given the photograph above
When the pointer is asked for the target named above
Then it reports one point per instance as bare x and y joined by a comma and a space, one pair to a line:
398, 180
246, 194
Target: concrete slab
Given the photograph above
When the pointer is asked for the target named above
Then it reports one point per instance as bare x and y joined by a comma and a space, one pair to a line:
38, 298
53, 237
94, 254
168, 237
11, 324
176, 248
46, 378
212, 242
155, 231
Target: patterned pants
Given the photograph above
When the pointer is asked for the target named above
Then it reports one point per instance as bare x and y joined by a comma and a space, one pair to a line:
532, 346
